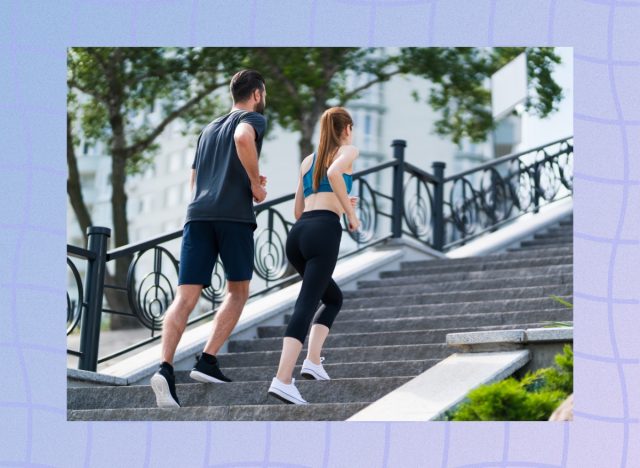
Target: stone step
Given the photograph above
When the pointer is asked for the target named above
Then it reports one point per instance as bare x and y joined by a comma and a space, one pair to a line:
385, 338
559, 230
552, 270
529, 248
511, 255
509, 258
457, 296
341, 355
540, 249
352, 390
475, 307
469, 285
559, 236
433, 322
495, 265
335, 370
548, 242
267, 412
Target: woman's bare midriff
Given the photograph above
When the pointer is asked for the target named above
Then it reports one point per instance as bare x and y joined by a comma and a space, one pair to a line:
323, 201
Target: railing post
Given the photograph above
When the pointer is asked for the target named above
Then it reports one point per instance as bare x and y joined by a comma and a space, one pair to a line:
398, 187
438, 208
90, 325
536, 187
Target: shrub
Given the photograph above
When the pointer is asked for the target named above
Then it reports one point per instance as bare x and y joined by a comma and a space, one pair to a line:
533, 398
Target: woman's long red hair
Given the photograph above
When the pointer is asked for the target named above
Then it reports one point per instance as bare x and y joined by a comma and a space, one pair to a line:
332, 123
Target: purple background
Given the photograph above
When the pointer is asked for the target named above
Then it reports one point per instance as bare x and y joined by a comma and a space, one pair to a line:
33, 38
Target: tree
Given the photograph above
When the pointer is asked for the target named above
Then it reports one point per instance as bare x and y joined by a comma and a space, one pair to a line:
459, 74
111, 92
303, 82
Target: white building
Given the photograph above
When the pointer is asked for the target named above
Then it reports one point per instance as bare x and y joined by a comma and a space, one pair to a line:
159, 197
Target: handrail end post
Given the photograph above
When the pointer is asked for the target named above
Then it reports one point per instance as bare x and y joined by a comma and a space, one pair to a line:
97, 243
438, 209
398, 189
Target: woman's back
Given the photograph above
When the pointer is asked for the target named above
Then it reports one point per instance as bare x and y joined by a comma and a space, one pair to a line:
323, 198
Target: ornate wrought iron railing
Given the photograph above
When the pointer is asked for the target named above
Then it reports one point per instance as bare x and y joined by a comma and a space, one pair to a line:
441, 212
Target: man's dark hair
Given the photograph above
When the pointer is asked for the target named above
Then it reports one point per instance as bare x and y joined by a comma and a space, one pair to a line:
244, 83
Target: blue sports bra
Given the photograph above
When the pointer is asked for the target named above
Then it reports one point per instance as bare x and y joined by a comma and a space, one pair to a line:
325, 186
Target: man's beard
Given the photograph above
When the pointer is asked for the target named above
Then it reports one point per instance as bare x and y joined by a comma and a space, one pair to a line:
259, 107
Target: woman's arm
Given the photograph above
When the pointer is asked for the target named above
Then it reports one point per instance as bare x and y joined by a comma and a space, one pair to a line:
298, 207
341, 163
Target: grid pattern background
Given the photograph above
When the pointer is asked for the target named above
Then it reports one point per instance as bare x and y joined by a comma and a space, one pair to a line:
33, 38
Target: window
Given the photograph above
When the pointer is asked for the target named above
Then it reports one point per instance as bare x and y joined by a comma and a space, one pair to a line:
170, 226
86, 180
188, 156
143, 234
367, 124
174, 162
146, 203
186, 193
173, 195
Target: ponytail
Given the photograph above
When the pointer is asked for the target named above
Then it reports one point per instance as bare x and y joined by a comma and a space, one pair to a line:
332, 123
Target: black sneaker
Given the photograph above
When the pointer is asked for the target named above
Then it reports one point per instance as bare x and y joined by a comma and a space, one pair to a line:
207, 370
163, 384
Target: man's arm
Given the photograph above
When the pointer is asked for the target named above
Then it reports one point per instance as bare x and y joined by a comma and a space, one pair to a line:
192, 180
245, 137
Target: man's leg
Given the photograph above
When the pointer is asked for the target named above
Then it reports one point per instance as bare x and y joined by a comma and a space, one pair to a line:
235, 244
228, 315
176, 317
163, 382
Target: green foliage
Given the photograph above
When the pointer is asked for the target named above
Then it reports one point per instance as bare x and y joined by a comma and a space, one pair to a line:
508, 401
562, 301
304, 81
533, 398
113, 91
301, 83
459, 75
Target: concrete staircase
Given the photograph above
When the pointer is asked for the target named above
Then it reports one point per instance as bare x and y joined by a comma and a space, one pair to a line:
389, 331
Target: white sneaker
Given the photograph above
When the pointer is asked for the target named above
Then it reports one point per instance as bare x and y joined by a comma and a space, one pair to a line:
286, 392
314, 371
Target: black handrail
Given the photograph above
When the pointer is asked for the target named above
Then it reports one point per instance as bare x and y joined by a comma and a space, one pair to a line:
505, 158
441, 212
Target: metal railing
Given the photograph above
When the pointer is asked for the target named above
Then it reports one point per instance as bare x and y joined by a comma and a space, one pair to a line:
441, 212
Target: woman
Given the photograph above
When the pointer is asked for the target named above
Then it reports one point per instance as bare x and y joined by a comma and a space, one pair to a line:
312, 248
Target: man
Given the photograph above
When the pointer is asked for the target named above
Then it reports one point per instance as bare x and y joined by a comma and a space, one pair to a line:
220, 220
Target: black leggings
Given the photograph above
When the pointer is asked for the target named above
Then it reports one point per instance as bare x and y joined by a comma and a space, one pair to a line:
312, 248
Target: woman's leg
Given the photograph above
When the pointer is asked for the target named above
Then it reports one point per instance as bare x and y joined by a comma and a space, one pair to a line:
332, 300
291, 347
317, 274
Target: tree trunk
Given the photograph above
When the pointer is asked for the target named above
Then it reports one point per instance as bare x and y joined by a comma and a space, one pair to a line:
74, 189
308, 123
120, 223
306, 146
73, 185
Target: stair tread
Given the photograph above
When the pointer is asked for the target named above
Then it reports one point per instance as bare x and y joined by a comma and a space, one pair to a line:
388, 331
431, 322
266, 412
340, 340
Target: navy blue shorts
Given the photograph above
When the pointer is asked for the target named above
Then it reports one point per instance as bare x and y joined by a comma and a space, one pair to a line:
202, 241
